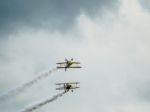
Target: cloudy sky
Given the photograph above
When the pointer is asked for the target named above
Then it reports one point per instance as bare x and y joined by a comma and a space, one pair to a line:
109, 37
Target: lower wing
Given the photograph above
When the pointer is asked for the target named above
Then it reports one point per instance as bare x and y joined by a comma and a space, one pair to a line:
75, 67
71, 67
61, 67
76, 62
74, 87
61, 88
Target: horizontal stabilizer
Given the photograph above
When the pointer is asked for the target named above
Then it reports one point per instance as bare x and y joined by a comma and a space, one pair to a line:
61, 63
61, 88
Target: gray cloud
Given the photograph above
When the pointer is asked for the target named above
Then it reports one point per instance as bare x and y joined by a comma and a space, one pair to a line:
145, 4
48, 13
114, 54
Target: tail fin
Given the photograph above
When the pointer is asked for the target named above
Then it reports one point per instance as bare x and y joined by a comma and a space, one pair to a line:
66, 60
65, 69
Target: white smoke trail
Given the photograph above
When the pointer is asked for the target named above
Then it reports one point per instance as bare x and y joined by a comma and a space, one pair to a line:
43, 103
26, 85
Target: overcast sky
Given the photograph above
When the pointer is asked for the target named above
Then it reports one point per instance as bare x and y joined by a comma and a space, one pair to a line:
109, 37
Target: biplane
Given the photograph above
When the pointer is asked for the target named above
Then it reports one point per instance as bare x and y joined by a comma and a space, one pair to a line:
68, 64
67, 86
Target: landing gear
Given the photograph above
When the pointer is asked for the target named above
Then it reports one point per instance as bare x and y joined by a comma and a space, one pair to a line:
71, 90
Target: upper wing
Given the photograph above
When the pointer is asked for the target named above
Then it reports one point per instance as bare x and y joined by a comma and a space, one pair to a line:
73, 82
60, 83
67, 83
